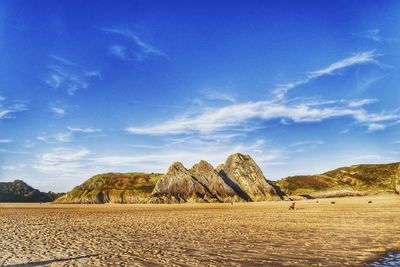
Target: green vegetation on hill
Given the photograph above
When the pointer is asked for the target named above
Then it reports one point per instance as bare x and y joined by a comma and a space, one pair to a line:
113, 188
19, 191
364, 178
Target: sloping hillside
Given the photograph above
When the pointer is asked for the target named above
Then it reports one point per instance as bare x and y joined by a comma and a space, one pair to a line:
353, 180
113, 188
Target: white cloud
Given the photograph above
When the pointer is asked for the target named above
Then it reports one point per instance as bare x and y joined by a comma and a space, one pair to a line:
7, 111
83, 130
61, 137
63, 60
119, 51
5, 141
236, 115
65, 154
58, 110
308, 143
357, 59
372, 34
372, 127
96, 74
14, 167
68, 76
143, 49
218, 95
362, 102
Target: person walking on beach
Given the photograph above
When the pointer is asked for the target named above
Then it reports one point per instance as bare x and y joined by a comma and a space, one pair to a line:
292, 206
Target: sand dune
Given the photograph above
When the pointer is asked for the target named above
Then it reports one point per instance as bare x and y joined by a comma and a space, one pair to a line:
347, 233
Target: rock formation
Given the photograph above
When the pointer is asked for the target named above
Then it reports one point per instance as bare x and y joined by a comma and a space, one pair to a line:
244, 171
180, 185
239, 179
209, 177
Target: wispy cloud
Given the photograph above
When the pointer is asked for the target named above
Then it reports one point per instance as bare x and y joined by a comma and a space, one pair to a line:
63, 60
66, 75
362, 102
84, 130
119, 51
240, 115
5, 141
7, 111
235, 115
142, 48
61, 137
58, 110
62, 161
357, 59
210, 94
81, 163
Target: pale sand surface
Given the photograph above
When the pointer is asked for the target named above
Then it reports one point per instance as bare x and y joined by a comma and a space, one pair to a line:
248, 234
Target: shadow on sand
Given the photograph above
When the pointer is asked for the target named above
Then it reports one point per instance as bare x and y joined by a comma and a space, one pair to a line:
40, 263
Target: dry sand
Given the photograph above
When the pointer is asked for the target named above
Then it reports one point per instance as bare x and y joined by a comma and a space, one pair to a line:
347, 233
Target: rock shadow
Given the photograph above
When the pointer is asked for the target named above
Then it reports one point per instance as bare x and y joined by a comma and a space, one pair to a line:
235, 187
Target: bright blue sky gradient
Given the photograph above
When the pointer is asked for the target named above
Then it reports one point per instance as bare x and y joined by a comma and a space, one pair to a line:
95, 86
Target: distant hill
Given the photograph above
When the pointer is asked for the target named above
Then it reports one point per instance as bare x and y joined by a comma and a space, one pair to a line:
19, 191
114, 188
353, 180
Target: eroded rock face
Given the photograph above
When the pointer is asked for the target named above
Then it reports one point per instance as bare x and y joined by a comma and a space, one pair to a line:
180, 185
209, 177
244, 171
239, 179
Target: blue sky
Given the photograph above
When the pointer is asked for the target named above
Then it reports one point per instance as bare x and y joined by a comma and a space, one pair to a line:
98, 86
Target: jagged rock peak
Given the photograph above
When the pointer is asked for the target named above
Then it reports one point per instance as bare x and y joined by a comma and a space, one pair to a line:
202, 166
248, 175
176, 167
238, 157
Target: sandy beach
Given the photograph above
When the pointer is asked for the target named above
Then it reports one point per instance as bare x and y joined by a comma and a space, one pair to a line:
347, 233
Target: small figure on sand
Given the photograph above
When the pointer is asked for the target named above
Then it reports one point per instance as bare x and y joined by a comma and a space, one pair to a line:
292, 206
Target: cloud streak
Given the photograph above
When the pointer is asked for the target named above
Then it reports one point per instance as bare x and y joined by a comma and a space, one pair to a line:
6, 112
232, 116
83, 130
142, 48
357, 59
66, 75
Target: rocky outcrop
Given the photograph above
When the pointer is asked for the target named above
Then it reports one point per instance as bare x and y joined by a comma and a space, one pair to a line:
180, 185
243, 171
239, 179
209, 177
